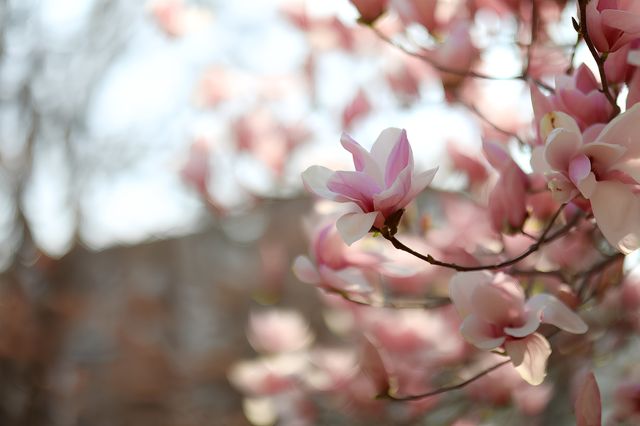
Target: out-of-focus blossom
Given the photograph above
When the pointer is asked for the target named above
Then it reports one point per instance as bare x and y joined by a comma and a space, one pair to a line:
496, 315
356, 109
475, 170
175, 18
370, 10
578, 95
504, 385
508, 199
457, 54
605, 171
588, 407
546, 60
277, 331
196, 170
612, 23
627, 402
267, 376
334, 265
633, 97
383, 183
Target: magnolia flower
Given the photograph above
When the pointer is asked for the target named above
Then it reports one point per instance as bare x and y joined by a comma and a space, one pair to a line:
605, 171
578, 95
495, 314
613, 23
508, 198
382, 184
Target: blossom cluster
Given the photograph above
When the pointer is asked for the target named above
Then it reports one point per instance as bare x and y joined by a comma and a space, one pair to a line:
496, 288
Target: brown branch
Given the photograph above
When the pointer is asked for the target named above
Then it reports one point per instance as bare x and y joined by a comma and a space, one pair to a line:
425, 303
495, 126
454, 71
600, 59
544, 239
443, 389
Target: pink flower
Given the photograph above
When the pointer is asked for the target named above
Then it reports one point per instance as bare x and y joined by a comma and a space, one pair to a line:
495, 314
196, 170
277, 331
605, 171
577, 95
383, 182
457, 53
613, 23
508, 199
370, 10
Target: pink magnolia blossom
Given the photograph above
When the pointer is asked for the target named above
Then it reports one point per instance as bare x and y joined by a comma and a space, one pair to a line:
508, 199
613, 23
196, 170
577, 95
605, 171
358, 108
495, 314
383, 182
457, 53
277, 331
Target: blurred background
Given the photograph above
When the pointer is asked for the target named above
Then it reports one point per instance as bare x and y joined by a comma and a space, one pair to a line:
150, 197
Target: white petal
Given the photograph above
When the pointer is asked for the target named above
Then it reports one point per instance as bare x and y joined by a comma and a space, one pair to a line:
353, 226
478, 333
551, 310
529, 356
617, 211
305, 270
461, 287
315, 180
383, 146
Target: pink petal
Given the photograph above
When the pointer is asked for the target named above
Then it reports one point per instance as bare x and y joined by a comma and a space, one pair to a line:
562, 145
382, 147
622, 20
551, 310
529, 356
579, 168
617, 212
480, 333
495, 154
305, 270
418, 183
588, 405
355, 186
541, 104
603, 154
362, 160
623, 130
353, 226
351, 279
497, 305
462, 286
532, 322
390, 200
399, 159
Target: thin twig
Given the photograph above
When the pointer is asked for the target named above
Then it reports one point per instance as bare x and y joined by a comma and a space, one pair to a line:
544, 238
462, 73
425, 303
444, 389
598, 58
495, 126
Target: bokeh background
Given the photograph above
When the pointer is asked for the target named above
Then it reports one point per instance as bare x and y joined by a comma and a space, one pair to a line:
150, 197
